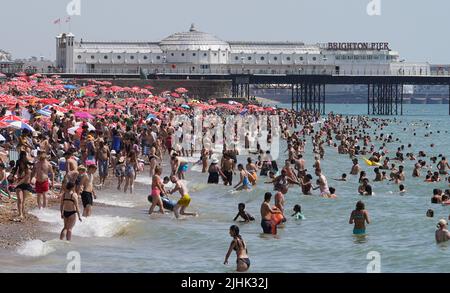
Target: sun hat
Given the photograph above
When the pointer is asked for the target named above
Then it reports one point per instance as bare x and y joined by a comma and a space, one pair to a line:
215, 161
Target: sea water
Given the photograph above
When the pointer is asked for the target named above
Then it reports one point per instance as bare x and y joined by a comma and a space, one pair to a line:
121, 237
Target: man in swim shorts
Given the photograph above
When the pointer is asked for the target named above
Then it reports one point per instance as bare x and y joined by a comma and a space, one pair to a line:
266, 215
41, 170
185, 199
87, 189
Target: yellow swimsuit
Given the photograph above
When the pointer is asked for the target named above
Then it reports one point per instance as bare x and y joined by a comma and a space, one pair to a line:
185, 200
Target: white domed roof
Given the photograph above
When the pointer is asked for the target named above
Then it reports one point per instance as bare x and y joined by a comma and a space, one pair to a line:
193, 40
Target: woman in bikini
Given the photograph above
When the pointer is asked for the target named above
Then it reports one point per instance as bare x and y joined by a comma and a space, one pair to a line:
359, 217
153, 160
130, 171
244, 183
157, 189
68, 208
23, 185
238, 245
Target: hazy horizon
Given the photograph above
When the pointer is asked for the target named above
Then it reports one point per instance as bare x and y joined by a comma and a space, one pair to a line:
411, 27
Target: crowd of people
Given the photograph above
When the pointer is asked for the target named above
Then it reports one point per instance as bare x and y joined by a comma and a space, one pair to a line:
72, 140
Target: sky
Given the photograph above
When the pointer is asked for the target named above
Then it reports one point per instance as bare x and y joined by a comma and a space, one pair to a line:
417, 29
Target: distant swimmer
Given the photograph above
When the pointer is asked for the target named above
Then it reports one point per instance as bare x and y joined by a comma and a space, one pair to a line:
355, 168
243, 214
298, 213
443, 166
402, 189
442, 234
185, 199
359, 217
343, 178
238, 244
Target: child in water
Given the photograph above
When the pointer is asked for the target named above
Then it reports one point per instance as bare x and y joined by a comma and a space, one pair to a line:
243, 214
298, 212
430, 213
402, 189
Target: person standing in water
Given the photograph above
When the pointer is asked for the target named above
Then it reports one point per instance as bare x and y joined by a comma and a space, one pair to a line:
359, 217
238, 245
244, 182
266, 214
442, 234
442, 166
69, 208
185, 199
88, 193
41, 171
157, 190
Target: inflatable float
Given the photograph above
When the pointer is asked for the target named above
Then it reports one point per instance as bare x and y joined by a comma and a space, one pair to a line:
167, 203
371, 163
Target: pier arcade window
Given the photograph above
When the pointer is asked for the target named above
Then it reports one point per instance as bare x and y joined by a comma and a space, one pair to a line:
204, 54
92, 57
158, 57
262, 58
79, 56
182, 54
314, 58
172, 54
194, 54
249, 58
105, 57
119, 57
275, 58
145, 57
132, 57
301, 58
236, 58
288, 58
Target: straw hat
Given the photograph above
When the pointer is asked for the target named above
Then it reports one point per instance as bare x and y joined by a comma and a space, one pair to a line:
215, 161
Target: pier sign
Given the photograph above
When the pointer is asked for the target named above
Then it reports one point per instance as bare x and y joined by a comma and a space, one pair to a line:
358, 46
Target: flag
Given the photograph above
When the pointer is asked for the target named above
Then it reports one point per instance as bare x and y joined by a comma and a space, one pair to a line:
58, 21
68, 19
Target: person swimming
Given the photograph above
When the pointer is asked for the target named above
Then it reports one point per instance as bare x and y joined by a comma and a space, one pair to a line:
243, 214
298, 213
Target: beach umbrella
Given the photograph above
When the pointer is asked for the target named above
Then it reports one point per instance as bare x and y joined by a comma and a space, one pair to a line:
149, 87
181, 90
55, 76
21, 125
2, 138
49, 101
79, 127
11, 118
84, 115
3, 124
44, 113
175, 95
185, 106
70, 87
21, 74
2, 75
